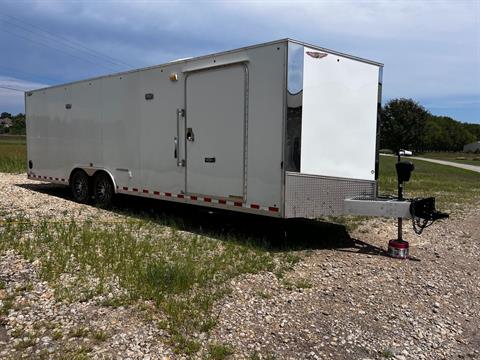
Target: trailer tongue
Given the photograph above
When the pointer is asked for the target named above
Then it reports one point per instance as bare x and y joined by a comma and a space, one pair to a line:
422, 211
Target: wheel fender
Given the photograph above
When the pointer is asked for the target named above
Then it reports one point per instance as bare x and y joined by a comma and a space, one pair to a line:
110, 176
92, 171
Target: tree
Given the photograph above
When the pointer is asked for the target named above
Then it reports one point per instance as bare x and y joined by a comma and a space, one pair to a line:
455, 134
402, 125
5, 115
473, 129
434, 139
18, 124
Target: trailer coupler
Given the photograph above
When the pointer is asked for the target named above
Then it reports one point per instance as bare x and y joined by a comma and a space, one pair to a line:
424, 214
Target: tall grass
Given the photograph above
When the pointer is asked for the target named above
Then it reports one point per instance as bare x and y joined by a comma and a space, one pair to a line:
13, 154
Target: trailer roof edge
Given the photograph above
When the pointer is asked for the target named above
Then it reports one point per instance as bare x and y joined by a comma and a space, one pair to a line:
372, 62
206, 56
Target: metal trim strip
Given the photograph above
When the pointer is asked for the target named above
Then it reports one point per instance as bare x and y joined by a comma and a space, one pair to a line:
193, 199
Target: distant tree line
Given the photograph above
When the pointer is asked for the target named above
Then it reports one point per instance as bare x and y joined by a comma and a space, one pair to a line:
405, 124
17, 126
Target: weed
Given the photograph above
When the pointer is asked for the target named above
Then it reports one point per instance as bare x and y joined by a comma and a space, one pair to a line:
116, 302
183, 345
57, 334
17, 332
255, 356
79, 353
263, 294
291, 258
44, 324
7, 304
387, 354
100, 335
219, 351
79, 332
27, 341
287, 284
303, 284
208, 324
25, 287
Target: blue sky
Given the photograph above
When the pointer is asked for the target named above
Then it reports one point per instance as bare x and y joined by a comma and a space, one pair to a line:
431, 49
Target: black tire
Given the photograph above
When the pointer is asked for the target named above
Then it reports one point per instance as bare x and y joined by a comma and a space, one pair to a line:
103, 191
80, 186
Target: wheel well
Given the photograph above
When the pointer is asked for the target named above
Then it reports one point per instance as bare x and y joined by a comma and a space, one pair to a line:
91, 175
74, 171
109, 176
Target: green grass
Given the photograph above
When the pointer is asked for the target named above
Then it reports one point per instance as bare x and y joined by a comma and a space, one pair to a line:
458, 157
452, 187
303, 284
99, 335
28, 340
79, 332
7, 304
264, 294
57, 334
13, 154
184, 274
13, 139
219, 351
387, 354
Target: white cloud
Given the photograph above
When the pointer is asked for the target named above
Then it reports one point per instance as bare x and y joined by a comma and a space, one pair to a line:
11, 99
20, 84
429, 48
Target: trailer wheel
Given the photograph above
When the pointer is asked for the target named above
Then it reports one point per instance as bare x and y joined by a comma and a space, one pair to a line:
80, 185
103, 190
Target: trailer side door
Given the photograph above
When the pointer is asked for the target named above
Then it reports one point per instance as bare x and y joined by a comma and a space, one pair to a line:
215, 139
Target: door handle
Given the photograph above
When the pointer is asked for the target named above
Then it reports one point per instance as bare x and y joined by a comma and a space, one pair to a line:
176, 139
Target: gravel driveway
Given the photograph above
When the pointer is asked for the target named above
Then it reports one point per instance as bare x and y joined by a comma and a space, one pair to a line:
346, 301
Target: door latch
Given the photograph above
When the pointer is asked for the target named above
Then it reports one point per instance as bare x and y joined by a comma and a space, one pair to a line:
190, 135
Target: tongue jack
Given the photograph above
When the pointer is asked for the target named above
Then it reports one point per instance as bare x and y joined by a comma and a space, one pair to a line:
398, 248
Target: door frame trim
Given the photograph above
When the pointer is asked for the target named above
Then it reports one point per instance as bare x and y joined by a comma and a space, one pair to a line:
245, 119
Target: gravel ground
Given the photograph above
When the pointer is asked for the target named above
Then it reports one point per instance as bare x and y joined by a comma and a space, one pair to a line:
337, 303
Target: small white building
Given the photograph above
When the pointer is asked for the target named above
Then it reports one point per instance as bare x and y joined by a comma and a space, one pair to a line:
6, 122
475, 146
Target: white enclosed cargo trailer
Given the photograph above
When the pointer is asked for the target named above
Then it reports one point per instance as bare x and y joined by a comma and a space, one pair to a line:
283, 129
